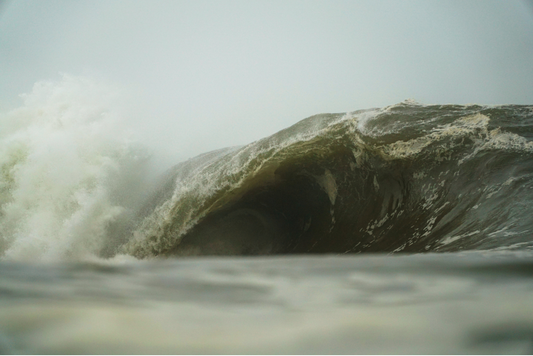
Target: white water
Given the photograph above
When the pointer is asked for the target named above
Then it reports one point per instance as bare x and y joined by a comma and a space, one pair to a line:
67, 165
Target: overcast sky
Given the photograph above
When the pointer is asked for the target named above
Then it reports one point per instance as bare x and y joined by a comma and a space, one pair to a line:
209, 74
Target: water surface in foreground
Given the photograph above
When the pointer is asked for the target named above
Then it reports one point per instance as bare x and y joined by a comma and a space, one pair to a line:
470, 302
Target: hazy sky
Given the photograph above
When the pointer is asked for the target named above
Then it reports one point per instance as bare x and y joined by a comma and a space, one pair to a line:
208, 74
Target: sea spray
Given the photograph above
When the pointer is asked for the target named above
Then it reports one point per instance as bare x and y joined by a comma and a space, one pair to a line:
67, 162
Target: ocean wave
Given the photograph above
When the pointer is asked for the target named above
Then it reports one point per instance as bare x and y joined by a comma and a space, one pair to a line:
405, 178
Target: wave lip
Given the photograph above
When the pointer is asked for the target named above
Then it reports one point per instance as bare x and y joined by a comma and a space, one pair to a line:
405, 178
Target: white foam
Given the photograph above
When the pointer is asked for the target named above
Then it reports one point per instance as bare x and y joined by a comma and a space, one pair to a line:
466, 126
61, 156
451, 239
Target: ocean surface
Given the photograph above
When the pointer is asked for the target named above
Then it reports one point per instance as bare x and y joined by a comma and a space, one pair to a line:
404, 229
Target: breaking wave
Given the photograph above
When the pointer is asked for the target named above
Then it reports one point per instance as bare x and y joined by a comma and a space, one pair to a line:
67, 167
74, 184
405, 178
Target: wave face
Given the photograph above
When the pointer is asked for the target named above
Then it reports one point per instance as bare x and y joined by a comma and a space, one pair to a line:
405, 178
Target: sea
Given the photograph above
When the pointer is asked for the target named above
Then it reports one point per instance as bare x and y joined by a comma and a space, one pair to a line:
402, 229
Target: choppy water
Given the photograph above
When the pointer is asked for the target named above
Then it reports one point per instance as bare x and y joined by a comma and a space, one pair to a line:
405, 229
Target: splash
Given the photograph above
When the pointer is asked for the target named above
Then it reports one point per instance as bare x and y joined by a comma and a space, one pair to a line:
66, 163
